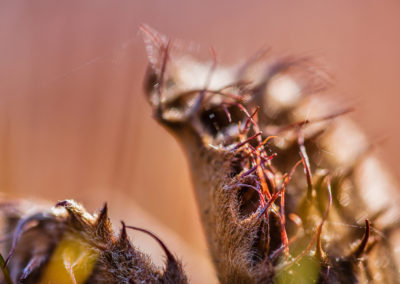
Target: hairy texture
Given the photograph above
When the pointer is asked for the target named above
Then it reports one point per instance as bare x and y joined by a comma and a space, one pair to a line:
66, 244
287, 186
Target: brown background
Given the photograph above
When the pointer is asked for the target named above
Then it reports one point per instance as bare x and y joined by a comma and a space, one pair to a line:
74, 122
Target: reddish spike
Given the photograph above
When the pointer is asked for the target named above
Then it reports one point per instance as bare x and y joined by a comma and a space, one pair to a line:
267, 139
268, 205
269, 179
293, 170
246, 141
277, 252
333, 115
284, 236
299, 124
211, 93
242, 108
249, 119
297, 220
246, 173
261, 176
269, 158
318, 231
295, 125
227, 113
289, 176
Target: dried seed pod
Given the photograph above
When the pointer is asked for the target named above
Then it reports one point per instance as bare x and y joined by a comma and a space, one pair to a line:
65, 244
247, 185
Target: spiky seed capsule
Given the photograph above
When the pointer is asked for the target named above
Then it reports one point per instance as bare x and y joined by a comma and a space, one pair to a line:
66, 244
245, 192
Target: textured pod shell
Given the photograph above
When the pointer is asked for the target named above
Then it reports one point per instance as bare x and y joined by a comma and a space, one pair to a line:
265, 218
66, 244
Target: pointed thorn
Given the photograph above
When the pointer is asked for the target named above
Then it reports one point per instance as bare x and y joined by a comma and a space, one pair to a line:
102, 225
246, 141
103, 216
123, 236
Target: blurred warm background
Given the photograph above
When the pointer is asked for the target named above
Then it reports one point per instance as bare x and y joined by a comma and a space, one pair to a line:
74, 122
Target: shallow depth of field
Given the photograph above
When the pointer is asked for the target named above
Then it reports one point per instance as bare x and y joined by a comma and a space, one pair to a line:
74, 122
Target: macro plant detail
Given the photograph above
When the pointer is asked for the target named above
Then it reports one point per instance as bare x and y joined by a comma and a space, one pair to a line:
66, 244
278, 169
288, 188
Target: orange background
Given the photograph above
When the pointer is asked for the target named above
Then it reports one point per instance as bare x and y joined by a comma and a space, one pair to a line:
74, 122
